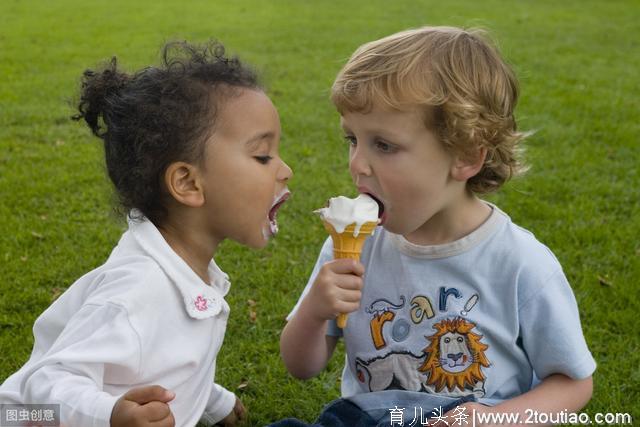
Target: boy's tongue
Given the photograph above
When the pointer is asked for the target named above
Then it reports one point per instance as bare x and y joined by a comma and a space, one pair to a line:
343, 211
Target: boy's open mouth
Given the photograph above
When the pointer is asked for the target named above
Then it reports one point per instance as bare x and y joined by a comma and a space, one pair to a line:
381, 214
273, 212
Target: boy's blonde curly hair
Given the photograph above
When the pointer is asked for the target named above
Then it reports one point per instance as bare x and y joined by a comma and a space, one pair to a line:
467, 90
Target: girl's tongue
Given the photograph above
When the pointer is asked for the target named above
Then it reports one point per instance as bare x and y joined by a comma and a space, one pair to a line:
273, 213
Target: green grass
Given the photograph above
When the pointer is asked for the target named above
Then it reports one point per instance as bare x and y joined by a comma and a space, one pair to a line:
577, 62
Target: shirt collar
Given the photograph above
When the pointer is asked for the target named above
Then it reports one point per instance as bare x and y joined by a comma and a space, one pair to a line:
201, 300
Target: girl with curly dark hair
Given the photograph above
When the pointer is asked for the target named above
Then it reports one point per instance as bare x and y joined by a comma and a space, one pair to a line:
191, 147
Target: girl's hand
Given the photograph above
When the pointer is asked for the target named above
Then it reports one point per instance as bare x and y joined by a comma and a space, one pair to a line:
144, 406
337, 289
236, 417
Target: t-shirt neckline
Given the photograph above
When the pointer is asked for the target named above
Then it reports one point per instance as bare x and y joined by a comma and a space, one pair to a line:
457, 247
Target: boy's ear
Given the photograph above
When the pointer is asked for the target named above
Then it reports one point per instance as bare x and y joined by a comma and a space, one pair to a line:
465, 168
182, 181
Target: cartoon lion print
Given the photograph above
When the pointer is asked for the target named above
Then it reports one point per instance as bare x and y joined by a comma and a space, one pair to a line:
455, 357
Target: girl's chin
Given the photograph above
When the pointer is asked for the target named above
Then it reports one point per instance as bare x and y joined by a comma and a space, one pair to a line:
256, 243
267, 234
270, 229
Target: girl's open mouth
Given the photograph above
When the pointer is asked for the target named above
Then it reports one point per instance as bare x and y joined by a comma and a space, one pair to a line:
382, 217
273, 212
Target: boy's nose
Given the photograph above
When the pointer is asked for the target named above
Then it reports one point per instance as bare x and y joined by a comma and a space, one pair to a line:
358, 163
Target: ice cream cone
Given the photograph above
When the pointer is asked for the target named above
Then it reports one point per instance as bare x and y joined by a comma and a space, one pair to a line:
347, 245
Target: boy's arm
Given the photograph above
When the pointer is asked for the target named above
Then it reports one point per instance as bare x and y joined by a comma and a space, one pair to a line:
304, 346
555, 394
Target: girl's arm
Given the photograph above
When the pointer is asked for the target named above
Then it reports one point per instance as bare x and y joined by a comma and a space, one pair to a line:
304, 346
555, 394
97, 338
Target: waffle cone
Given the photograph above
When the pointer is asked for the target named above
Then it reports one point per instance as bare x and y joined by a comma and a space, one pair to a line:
346, 245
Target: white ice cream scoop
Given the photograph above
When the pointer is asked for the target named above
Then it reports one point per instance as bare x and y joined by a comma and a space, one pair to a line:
343, 211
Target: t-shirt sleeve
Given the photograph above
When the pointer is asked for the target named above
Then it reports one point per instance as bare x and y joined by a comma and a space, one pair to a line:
551, 332
326, 255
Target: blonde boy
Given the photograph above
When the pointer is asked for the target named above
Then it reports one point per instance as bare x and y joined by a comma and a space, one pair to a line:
452, 303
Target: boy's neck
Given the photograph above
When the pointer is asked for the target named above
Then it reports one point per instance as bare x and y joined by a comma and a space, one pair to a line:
455, 221
192, 246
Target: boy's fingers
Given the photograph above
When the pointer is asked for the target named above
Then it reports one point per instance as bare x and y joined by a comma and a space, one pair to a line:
351, 296
156, 411
347, 307
353, 283
148, 394
347, 266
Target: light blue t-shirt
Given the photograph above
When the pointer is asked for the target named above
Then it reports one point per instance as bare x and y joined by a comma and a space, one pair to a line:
485, 315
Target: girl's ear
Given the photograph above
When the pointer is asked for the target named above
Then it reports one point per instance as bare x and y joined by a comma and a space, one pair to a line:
465, 168
182, 181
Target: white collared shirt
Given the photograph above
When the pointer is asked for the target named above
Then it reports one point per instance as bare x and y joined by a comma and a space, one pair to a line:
144, 317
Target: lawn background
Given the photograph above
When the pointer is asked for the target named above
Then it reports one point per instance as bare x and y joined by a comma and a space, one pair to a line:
578, 65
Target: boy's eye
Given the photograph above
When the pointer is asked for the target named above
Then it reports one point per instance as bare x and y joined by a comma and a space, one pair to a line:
384, 147
263, 159
350, 139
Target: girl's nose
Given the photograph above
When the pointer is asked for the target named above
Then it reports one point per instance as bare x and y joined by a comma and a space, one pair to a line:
285, 172
358, 163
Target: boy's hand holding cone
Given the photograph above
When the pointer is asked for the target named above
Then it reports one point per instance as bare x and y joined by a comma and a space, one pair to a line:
349, 222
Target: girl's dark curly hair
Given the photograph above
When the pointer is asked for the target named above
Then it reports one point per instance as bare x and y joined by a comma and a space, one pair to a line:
158, 116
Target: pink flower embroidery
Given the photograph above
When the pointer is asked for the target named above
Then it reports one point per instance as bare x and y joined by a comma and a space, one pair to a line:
201, 303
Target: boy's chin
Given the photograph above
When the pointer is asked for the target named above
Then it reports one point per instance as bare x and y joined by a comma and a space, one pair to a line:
394, 228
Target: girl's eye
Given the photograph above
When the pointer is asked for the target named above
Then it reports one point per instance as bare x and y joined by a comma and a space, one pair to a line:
263, 159
351, 140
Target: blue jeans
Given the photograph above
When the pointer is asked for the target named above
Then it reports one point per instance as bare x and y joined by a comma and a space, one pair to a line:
344, 413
